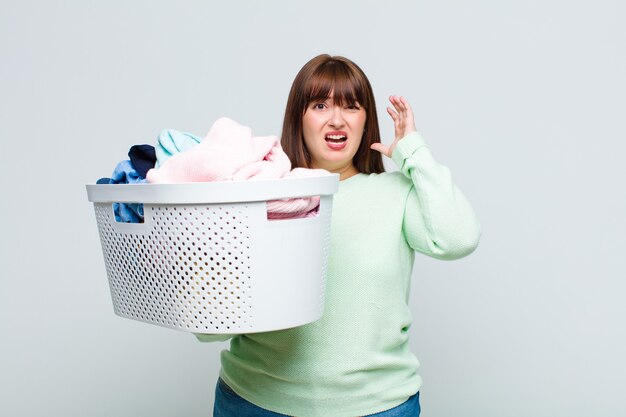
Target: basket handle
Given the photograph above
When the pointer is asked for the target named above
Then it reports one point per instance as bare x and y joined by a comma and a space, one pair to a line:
293, 208
131, 228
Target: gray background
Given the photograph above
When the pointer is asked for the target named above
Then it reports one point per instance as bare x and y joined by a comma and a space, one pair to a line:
523, 100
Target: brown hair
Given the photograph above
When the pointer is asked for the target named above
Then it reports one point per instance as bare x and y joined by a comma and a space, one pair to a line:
315, 81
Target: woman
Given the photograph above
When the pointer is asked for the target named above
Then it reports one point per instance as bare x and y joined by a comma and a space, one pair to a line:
355, 360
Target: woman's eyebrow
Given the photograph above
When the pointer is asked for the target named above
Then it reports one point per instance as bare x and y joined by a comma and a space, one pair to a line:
319, 100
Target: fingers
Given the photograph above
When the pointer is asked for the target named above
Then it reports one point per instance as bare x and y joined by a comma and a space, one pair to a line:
399, 116
380, 148
397, 104
393, 114
407, 106
405, 120
401, 105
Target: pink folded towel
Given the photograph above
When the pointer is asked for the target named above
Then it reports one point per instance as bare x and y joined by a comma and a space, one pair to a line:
230, 152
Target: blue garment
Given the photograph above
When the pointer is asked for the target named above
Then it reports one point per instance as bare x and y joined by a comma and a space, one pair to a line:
170, 142
124, 173
142, 158
409, 408
229, 404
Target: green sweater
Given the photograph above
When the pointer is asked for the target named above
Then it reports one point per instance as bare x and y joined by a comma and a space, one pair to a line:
356, 360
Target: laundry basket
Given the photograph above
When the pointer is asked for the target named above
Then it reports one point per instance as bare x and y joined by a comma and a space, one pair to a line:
208, 260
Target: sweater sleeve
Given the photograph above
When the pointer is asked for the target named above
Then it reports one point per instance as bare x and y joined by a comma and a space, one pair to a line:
438, 220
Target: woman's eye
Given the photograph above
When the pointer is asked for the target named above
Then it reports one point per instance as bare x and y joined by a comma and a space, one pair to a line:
353, 107
319, 106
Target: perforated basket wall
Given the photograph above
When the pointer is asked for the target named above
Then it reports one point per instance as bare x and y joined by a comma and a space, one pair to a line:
216, 268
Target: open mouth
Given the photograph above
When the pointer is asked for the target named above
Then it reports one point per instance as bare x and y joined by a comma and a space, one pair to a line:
336, 138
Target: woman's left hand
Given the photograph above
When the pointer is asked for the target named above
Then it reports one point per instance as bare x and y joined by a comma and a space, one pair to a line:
403, 121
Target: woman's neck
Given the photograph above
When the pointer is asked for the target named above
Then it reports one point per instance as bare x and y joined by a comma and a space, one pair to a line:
345, 172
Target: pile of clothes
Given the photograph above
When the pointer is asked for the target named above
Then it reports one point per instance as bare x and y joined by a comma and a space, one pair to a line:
228, 152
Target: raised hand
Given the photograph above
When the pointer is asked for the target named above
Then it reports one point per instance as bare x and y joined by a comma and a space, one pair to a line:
403, 121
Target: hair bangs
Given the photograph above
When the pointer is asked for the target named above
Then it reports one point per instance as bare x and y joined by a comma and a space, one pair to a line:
337, 79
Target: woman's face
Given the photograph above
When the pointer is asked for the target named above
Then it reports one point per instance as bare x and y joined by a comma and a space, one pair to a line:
332, 135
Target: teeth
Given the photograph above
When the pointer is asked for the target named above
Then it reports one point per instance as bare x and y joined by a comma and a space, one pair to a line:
335, 137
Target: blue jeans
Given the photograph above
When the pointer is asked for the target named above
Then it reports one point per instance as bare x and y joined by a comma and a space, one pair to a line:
229, 404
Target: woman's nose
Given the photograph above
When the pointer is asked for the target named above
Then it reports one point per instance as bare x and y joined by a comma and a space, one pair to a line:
336, 117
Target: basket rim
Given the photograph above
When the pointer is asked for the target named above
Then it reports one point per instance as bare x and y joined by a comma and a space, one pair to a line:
214, 192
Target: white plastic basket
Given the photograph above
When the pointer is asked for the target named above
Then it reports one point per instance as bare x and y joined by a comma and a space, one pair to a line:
208, 260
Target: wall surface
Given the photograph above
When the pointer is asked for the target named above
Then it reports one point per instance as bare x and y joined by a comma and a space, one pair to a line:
522, 100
